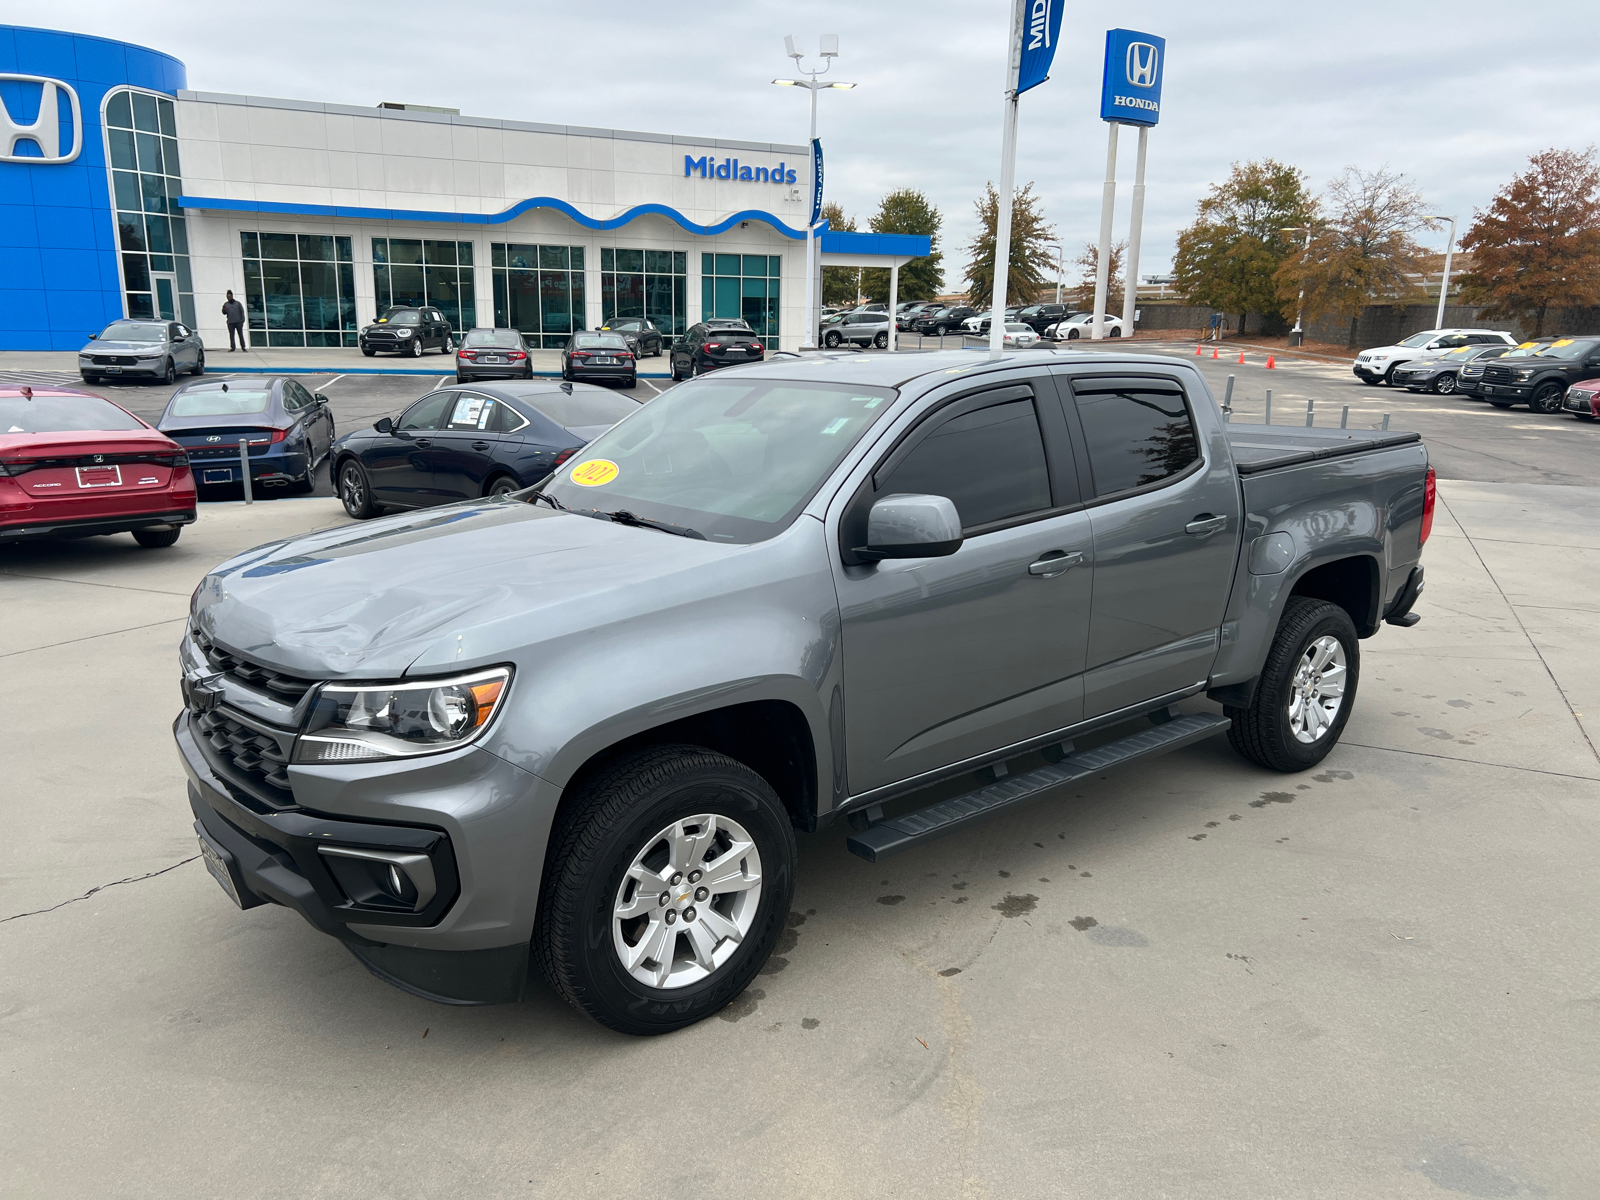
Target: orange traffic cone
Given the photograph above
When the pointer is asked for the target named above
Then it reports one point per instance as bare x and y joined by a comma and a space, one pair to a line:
1271, 362
1197, 349
1213, 352
1241, 357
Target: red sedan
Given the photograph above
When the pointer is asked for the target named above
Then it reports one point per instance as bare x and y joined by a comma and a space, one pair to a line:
75, 465
1583, 399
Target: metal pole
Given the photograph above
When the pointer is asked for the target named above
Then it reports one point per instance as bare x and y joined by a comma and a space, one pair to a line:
1444, 284
1060, 271
1008, 171
1227, 401
1386, 420
244, 467
1130, 264
1102, 275
894, 303
1311, 416
813, 317
1268, 421
1344, 418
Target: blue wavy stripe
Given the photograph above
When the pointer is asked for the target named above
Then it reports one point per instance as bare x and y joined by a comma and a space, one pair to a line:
499, 218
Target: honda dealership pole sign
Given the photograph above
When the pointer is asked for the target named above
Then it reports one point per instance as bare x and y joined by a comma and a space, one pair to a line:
1035, 27
1130, 94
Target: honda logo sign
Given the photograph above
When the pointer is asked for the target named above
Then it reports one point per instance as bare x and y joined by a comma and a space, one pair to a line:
51, 143
1143, 58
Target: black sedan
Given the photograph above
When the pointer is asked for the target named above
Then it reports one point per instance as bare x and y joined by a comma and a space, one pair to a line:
1442, 372
720, 342
462, 442
599, 356
407, 330
492, 354
289, 431
644, 335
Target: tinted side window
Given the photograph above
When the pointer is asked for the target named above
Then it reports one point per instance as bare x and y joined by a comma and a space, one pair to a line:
506, 419
470, 412
426, 413
296, 397
990, 463
1136, 435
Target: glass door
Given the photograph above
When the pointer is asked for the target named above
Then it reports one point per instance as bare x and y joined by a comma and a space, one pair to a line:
166, 295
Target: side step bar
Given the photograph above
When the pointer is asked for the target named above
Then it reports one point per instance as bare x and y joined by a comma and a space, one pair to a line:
894, 834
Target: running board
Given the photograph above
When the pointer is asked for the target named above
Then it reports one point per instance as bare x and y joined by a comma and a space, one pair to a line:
893, 834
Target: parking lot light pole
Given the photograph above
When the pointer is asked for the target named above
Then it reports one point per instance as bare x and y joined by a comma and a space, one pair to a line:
829, 52
1297, 335
1060, 269
1444, 284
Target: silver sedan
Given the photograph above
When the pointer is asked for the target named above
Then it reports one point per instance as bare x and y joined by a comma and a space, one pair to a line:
142, 350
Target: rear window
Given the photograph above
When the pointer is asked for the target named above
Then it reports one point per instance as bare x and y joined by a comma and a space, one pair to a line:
134, 331
508, 339
584, 408
205, 402
599, 341
62, 414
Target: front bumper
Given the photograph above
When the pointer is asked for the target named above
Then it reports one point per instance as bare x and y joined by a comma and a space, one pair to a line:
39, 526
142, 368
1369, 370
579, 370
1585, 402
1504, 391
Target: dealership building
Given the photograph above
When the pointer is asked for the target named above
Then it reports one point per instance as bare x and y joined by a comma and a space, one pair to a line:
123, 193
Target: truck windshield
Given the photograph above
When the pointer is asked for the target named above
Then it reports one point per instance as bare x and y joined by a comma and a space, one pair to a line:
734, 459
1565, 348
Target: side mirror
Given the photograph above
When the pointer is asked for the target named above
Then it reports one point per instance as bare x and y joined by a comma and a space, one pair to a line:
384, 425
907, 525
93, 336
320, 398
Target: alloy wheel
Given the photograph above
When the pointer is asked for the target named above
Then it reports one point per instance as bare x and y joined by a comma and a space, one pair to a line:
416, 347
1446, 384
687, 901
1547, 399
1317, 691
352, 489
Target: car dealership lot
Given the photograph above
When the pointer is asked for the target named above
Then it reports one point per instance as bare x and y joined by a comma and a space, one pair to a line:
1192, 978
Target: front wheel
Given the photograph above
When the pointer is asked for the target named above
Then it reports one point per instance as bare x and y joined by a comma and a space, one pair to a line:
355, 492
671, 873
1445, 385
416, 347
200, 363
154, 539
502, 485
1306, 689
170, 375
831, 341
1370, 381
1500, 403
1547, 399
938, 331
368, 351
1072, 335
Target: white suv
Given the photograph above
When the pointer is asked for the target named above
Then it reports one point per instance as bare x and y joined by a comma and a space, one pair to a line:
1377, 365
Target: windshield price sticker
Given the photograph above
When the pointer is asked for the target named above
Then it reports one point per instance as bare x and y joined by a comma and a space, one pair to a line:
468, 409
594, 472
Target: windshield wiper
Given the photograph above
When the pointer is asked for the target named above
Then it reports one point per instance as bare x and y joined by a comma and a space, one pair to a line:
548, 499
623, 517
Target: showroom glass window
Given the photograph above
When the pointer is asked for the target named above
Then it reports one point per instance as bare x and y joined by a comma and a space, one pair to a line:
412, 271
299, 289
539, 290
645, 283
741, 285
146, 181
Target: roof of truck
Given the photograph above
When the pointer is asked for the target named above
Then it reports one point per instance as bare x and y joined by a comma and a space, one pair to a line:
896, 370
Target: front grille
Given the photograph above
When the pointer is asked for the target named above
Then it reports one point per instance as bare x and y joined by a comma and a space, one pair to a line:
1498, 375
281, 686
115, 360
256, 757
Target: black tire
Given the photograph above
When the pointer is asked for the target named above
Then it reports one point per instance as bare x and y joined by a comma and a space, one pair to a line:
154, 539
460, 378
528, 371
501, 485
603, 827
1547, 399
1114, 332
416, 347
90, 378
449, 345
938, 331
199, 364
355, 490
1262, 732
1501, 403
1445, 385
881, 341
566, 374
1388, 376
368, 351
170, 376
677, 377
1369, 381
1072, 335
633, 380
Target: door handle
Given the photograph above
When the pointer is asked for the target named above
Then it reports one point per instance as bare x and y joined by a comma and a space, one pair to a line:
480, 445
422, 443
1205, 526
1055, 563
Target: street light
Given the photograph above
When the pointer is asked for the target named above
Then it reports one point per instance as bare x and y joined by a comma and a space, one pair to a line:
828, 52
1059, 269
1297, 335
1444, 284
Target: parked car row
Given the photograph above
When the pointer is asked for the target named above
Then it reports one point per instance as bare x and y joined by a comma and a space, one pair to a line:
1548, 374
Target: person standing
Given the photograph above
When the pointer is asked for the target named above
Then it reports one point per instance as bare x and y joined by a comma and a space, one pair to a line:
233, 314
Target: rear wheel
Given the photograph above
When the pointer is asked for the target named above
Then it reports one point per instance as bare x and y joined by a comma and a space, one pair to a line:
154, 539
831, 340
881, 341
501, 485
449, 346
355, 491
671, 873
1306, 689
1116, 331
1547, 399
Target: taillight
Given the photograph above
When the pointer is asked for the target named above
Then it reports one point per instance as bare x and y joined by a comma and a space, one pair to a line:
624, 353
515, 355
15, 466
566, 454
577, 354
466, 354
713, 345
277, 435
756, 346
180, 459
1430, 493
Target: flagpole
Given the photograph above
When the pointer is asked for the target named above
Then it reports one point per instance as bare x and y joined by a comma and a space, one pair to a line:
1008, 171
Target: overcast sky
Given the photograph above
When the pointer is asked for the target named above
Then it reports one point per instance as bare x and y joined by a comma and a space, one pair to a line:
1456, 95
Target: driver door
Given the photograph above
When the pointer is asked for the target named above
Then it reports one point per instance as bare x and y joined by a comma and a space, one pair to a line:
400, 464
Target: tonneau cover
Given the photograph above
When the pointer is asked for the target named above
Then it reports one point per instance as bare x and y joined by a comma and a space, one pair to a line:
1258, 448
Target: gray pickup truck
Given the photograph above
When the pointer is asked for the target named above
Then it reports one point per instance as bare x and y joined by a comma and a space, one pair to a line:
583, 722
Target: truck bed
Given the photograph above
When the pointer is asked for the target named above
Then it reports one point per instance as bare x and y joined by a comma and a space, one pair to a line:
1258, 448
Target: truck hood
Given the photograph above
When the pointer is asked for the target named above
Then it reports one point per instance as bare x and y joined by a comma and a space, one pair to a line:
433, 590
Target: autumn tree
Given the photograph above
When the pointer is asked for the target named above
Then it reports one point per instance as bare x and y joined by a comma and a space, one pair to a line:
1539, 243
907, 210
1031, 264
1088, 264
1362, 246
1228, 258
841, 286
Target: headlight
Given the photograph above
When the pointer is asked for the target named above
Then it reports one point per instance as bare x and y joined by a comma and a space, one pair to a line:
402, 333
1524, 372
361, 723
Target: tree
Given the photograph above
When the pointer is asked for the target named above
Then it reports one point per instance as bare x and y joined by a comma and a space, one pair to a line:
1031, 263
841, 286
1227, 259
1089, 261
1362, 246
1539, 243
907, 210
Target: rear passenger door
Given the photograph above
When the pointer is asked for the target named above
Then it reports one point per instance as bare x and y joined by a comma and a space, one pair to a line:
464, 449
1165, 514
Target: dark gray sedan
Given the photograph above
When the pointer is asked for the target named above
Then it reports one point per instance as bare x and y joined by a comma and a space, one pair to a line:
142, 350
1442, 372
492, 354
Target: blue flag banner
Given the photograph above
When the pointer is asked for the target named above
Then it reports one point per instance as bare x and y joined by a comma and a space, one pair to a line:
1041, 27
816, 177
1135, 65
